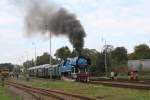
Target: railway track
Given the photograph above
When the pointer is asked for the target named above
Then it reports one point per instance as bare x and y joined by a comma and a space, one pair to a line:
123, 84
56, 94
124, 80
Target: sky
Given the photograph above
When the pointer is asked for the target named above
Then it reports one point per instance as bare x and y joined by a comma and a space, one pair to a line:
120, 22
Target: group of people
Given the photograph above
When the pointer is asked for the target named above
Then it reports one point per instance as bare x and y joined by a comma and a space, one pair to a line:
132, 75
11, 74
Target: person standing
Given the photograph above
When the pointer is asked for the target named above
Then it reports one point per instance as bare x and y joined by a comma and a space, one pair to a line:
3, 80
112, 74
115, 75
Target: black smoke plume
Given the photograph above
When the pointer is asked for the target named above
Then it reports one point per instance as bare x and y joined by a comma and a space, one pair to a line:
41, 16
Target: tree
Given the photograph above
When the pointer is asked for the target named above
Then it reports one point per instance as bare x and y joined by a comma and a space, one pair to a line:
100, 68
93, 55
7, 66
63, 53
119, 56
132, 56
98, 59
107, 53
141, 51
45, 59
40, 60
28, 63
73, 53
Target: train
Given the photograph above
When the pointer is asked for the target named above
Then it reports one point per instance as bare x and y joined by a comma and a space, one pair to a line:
74, 68
4, 73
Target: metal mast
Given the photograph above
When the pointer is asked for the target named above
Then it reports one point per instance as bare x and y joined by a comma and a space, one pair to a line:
106, 59
50, 44
34, 53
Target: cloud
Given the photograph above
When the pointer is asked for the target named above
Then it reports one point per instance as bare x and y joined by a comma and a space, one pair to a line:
120, 22
118, 19
120, 25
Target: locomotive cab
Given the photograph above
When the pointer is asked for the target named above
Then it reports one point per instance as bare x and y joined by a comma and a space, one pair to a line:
82, 65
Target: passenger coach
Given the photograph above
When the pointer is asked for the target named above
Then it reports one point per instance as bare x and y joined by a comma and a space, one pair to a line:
75, 68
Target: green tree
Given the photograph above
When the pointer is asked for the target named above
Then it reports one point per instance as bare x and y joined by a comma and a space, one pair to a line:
119, 56
7, 66
100, 64
107, 52
93, 55
45, 59
73, 53
141, 51
40, 60
29, 63
63, 53
132, 56
98, 59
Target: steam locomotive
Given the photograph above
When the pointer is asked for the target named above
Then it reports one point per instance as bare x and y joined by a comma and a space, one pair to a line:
74, 68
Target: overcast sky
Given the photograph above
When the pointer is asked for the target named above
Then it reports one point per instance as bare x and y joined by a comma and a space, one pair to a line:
121, 22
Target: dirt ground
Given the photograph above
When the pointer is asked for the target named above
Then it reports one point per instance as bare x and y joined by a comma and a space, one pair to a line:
97, 91
20, 94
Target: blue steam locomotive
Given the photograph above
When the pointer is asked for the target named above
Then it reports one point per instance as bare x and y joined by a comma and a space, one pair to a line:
75, 68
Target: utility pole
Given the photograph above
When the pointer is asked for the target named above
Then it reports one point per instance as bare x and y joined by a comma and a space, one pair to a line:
50, 44
106, 70
26, 69
34, 53
105, 52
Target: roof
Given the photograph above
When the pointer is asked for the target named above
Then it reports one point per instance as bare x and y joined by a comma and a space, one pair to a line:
42, 66
36, 67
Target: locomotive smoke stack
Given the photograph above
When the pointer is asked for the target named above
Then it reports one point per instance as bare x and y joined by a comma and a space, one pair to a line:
58, 20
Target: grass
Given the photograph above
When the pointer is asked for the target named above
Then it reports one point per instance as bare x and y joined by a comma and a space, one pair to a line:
4, 94
109, 93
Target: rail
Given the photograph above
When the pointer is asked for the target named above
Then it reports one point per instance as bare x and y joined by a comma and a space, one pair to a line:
57, 94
